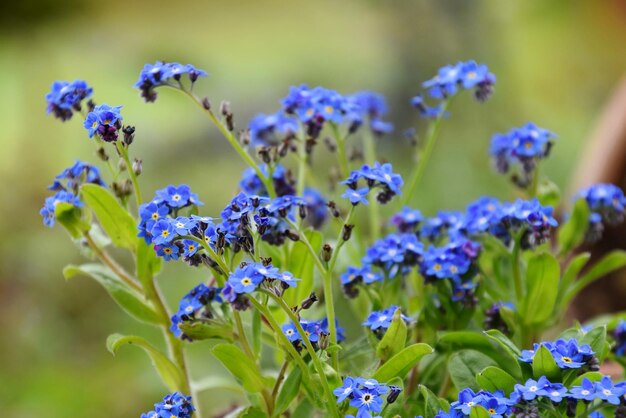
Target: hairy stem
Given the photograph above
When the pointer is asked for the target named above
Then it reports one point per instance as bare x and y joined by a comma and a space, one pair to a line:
131, 173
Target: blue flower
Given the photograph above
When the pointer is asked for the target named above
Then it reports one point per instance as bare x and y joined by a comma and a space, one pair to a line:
378, 175
567, 354
466, 75
372, 106
349, 386
162, 232
356, 196
291, 332
407, 220
65, 97
619, 335
175, 405
366, 401
161, 74
606, 391
585, 391
532, 388
607, 205
104, 120
168, 251
184, 225
194, 301
272, 129
316, 210
427, 112
381, 320
246, 278
177, 196
189, 247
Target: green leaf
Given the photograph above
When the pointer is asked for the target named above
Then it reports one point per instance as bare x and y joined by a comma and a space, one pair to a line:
301, 264
545, 365
148, 264
240, 366
596, 339
252, 412
571, 272
542, 284
504, 342
114, 219
129, 300
169, 373
207, 329
608, 264
494, 378
400, 364
394, 339
464, 365
481, 342
288, 391
479, 412
432, 403
572, 233
70, 217
592, 376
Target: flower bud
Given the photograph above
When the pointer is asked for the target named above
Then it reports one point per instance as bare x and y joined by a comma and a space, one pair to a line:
102, 154
206, 103
327, 252
137, 166
308, 302
347, 232
394, 392
129, 134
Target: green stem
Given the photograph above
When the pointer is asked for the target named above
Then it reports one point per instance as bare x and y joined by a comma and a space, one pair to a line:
302, 166
309, 347
112, 264
369, 148
328, 290
131, 173
420, 166
279, 379
341, 151
308, 245
534, 185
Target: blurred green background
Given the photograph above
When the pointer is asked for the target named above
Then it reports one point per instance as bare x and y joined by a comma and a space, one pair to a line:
556, 63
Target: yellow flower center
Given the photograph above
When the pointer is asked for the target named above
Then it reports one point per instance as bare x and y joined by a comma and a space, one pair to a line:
437, 267
246, 281
167, 251
471, 75
155, 216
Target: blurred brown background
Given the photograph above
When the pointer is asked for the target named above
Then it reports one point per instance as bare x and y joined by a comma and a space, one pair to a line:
557, 64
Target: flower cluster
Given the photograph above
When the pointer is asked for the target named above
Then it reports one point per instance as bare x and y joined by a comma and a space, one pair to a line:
365, 395
198, 299
376, 176
407, 220
66, 186
104, 120
521, 147
160, 225
456, 261
567, 354
462, 75
535, 396
370, 106
380, 321
65, 97
164, 74
316, 331
607, 204
282, 181
249, 276
274, 129
175, 405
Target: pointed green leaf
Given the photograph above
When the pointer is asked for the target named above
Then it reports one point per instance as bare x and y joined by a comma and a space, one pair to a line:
129, 300
596, 339
148, 263
432, 403
394, 339
69, 216
169, 373
592, 376
207, 329
613, 261
114, 219
571, 272
545, 365
464, 365
542, 284
494, 378
400, 364
572, 233
301, 264
240, 366
504, 342
288, 391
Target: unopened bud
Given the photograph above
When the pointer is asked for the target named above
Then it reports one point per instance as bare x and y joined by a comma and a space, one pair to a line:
327, 252
137, 166
206, 103
292, 236
347, 232
394, 392
121, 164
129, 134
323, 340
333, 209
102, 154
308, 302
